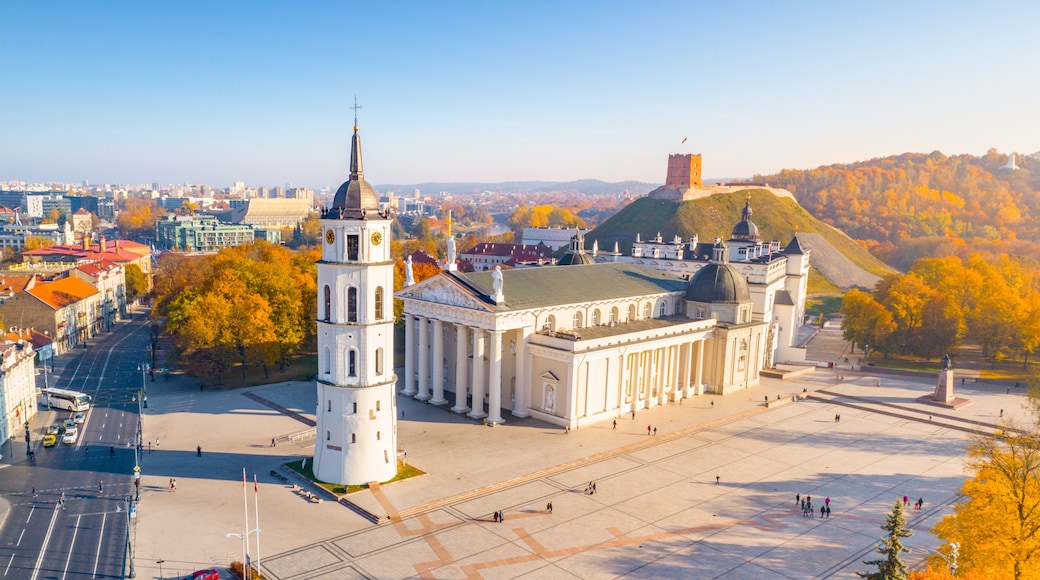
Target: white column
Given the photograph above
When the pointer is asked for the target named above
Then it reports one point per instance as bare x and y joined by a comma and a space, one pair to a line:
495, 378
675, 361
424, 359
461, 373
523, 373
698, 383
478, 375
438, 363
409, 355
653, 376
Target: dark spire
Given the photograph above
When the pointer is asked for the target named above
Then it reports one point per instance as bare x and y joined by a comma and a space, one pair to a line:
355, 199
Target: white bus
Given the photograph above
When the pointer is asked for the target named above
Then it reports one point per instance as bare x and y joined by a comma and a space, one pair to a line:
68, 400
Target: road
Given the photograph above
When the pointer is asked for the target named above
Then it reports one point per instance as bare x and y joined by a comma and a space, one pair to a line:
87, 537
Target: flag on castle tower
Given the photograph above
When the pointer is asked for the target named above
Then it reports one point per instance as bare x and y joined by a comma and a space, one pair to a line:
684, 139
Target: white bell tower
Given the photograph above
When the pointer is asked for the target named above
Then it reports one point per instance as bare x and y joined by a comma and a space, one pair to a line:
357, 415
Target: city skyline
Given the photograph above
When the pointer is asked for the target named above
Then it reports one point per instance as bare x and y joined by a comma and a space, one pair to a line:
463, 92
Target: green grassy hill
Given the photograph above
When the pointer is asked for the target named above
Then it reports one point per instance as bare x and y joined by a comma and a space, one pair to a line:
777, 219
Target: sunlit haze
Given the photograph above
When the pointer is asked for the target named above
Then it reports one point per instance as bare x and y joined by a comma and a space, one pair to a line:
216, 92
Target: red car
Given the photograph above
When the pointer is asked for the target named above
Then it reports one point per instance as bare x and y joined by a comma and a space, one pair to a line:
204, 575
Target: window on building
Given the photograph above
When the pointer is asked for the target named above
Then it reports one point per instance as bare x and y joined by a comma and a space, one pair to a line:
378, 436
353, 242
661, 310
355, 408
595, 317
614, 315
352, 363
550, 323
352, 304
353, 437
576, 323
327, 362
631, 312
328, 435
377, 405
648, 310
379, 361
379, 302
330, 405
328, 303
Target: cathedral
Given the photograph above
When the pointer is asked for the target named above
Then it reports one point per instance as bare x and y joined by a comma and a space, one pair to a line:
583, 341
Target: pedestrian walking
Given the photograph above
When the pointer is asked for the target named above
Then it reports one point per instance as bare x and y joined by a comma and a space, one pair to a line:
633, 415
149, 447
647, 430
273, 443
501, 516
198, 451
495, 517
716, 479
828, 512
655, 431
156, 442
906, 501
615, 424
797, 498
101, 486
823, 511
1002, 412
593, 487
713, 404
835, 417
548, 508
34, 492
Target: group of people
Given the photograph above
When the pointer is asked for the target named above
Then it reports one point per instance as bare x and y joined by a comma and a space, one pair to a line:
917, 504
807, 508
589, 489
650, 429
500, 516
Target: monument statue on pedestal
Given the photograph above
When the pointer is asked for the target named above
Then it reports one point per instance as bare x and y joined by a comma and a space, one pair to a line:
944, 386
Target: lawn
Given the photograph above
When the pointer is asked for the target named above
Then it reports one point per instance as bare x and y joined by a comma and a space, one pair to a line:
404, 471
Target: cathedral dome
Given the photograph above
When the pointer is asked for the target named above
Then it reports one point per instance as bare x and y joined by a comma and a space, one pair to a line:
718, 283
355, 197
745, 230
576, 255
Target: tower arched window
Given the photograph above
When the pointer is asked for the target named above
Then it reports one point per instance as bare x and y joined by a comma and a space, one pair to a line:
379, 302
595, 317
379, 361
327, 361
352, 304
648, 310
576, 323
352, 363
328, 303
353, 437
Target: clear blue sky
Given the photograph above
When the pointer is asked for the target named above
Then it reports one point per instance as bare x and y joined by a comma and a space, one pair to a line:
213, 92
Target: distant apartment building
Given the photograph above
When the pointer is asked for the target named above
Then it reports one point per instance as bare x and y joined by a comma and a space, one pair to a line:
555, 238
200, 233
17, 388
13, 235
487, 255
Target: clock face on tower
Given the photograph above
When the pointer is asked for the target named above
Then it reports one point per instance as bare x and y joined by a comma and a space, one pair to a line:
377, 238
330, 236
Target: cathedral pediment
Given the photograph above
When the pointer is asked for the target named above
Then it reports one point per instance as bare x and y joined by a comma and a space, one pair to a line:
442, 290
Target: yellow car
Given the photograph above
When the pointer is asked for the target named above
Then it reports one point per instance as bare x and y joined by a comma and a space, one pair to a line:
50, 440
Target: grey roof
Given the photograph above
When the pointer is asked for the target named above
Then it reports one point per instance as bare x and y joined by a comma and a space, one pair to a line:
794, 247
355, 197
745, 228
575, 259
554, 285
784, 297
719, 283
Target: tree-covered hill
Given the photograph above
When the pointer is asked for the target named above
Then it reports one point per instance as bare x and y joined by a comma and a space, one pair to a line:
918, 205
777, 219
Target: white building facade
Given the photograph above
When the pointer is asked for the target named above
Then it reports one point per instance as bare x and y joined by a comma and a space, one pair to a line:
356, 416
17, 389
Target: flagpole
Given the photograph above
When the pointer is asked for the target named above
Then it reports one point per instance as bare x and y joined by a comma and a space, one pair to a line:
245, 531
256, 506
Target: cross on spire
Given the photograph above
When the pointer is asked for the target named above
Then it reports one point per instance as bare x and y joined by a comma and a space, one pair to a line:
355, 107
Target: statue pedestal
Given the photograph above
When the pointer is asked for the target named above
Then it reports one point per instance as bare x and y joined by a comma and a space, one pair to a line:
943, 395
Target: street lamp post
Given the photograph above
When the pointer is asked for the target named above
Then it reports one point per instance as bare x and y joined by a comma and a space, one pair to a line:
160, 562
951, 561
246, 566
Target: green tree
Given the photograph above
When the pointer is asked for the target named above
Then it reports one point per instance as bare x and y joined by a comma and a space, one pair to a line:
891, 567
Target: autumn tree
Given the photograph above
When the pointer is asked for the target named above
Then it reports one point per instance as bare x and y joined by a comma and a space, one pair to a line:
136, 282
138, 217
997, 519
890, 566
865, 322
420, 271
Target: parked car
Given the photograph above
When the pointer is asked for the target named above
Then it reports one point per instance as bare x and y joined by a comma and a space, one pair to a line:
70, 436
203, 575
54, 429
49, 440
79, 418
